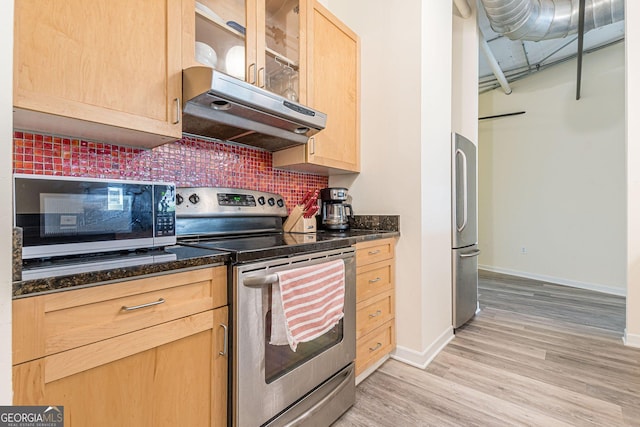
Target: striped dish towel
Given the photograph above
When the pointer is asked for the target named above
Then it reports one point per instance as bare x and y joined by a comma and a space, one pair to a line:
306, 303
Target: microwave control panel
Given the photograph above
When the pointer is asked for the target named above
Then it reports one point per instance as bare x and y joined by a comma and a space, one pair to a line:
165, 212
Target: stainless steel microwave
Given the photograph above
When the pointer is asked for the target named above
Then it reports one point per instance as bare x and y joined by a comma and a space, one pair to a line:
70, 216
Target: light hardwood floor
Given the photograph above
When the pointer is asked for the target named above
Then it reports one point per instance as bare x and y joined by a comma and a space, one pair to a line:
536, 355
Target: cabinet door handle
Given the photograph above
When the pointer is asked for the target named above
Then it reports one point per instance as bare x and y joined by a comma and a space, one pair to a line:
377, 279
376, 347
376, 314
225, 345
177, 101
252, 74
312, 141
377, 251
149, 304
261, 77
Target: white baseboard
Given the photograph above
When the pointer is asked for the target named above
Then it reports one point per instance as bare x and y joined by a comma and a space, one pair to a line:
631, 340
558, 280
371, 369
422, 359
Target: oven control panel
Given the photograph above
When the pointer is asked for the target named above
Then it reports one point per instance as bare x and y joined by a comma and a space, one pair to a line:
232, 199
213, 201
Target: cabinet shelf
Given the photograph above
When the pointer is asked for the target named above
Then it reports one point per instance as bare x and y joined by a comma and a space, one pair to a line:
282, 58
219, 22
223, 25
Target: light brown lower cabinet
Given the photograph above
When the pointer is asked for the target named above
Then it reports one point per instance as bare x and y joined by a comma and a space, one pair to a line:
169, 374
375, 302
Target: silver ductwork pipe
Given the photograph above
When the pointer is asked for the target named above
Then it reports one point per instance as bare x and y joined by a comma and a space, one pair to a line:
548, 19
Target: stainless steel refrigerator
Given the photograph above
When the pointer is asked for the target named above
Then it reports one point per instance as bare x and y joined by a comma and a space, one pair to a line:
464, 228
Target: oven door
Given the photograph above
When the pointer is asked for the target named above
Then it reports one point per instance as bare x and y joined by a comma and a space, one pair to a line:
269, 379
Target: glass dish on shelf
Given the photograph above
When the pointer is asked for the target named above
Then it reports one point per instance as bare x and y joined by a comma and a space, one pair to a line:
206, 55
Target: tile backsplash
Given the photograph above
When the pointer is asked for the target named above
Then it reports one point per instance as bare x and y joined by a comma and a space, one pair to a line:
189, 162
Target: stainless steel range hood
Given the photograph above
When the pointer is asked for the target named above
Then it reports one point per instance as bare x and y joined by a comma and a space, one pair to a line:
220, 106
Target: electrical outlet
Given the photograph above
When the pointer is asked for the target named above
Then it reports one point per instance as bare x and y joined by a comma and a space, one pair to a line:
523, 250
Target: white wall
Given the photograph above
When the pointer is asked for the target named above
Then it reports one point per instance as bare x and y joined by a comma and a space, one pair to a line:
552, 180
6, 221
406, 123
632, 14
464, 84
390, 178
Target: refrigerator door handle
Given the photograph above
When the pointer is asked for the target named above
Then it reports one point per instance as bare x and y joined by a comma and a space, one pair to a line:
464, 190
470, 255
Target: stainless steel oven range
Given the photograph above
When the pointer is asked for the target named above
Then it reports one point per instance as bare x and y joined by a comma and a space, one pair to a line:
273, 385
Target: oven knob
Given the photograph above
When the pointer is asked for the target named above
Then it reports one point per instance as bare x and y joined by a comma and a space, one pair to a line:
194, 198
271, 201
280, 203
261, 200
179, 199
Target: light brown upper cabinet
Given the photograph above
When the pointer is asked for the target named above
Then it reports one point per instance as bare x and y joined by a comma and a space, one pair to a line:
259, 41
332, 81
104, 69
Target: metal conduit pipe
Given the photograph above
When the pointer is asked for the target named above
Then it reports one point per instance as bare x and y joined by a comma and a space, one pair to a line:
547, 19
463, 8
465, 11
493, 64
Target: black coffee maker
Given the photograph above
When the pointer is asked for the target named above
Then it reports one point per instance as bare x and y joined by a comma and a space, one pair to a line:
335, 212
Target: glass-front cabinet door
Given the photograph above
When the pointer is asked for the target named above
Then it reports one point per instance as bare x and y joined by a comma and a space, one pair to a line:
221, 35
258, 41
282, 47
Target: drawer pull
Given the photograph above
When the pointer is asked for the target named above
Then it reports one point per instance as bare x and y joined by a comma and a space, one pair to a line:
377, 251
376, 347
149, 304
377, 279
225, 346
376, 314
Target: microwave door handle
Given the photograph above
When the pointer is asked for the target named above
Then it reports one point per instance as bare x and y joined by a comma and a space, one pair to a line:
464, 189
260, 281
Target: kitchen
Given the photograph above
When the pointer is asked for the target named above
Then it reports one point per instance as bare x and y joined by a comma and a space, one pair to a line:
424, 249
87, 208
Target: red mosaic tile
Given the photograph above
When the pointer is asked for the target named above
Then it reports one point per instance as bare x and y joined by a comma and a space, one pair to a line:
188, 162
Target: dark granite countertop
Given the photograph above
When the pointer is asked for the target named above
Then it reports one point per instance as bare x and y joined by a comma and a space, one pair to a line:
185, 257
364, 228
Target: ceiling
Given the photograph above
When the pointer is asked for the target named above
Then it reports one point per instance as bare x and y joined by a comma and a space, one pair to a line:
519, 59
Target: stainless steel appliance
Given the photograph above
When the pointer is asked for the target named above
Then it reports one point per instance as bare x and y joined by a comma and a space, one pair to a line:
224, 107
335, 212
62, 216
464, 229
271, 384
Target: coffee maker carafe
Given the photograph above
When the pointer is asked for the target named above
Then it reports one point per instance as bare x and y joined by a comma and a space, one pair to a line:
335, 212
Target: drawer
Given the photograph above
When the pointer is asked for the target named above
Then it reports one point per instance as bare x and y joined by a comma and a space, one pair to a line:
375, 345
373, 312
374, 251
373, 279
61, 321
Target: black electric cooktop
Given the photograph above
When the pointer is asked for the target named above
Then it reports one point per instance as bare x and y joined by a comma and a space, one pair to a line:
273, 245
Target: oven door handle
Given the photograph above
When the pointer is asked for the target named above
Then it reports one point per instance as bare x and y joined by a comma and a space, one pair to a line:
259, 281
